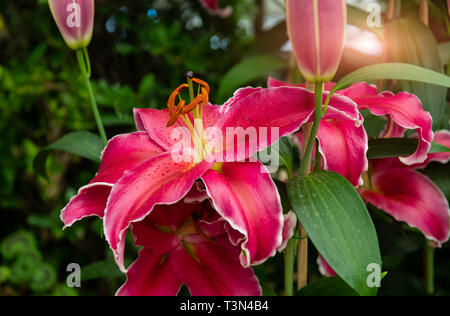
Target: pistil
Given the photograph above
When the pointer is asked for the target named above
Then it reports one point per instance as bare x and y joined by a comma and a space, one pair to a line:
196, 104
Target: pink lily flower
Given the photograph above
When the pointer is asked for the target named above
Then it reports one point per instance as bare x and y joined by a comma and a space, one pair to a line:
213, 8
138, 171
410, 196
317, 32
344, 147
75, 21
187, 243
394, 186
290, 222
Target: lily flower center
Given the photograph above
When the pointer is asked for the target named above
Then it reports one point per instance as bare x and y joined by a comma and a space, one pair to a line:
181, 109
192, 227
190, 233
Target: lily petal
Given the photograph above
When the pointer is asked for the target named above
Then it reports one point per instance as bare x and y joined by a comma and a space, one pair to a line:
324, 267
248, 199
154, 122
405, 110
274, 83
262, 117
123, 152
290, 221
441, 137
217, 272
359, 90
150, 275
392, 129
157, 181
239, 95
343, 140
410, 197
343, 147
90, 201
157, 230
338, 102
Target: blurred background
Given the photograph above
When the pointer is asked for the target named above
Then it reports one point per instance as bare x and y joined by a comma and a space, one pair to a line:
139, 53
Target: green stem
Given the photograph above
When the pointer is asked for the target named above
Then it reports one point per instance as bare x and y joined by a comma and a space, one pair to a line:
88, 61
81, 56
429, 268
318, 93
289, 261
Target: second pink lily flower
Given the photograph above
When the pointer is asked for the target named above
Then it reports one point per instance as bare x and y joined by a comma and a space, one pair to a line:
392, 184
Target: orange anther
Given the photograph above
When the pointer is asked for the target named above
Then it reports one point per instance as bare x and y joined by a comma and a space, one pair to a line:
181, 108
202, 83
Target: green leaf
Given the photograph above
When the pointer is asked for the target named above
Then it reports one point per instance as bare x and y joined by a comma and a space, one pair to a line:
84, 144
438, 148
338, 223
286, 149
374, 125
399, 147
333, 286
412, 42
248, 70
398, 71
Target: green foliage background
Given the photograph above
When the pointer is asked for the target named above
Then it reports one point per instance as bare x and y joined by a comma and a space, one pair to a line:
138, 58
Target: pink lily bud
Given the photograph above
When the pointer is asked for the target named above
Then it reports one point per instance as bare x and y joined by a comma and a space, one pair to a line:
317, 32
75, 20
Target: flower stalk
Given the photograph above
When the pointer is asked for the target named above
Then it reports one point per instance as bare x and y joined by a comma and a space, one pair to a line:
302, 262
318, 92
310, 134
429, 268
305, 169
289, 258
84, 63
